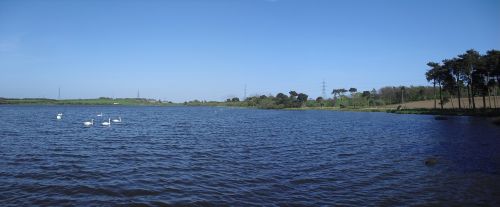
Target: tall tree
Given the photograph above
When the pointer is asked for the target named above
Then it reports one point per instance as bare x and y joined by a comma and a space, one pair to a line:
282, 99
453, 66
320, 101
448, 83
353, 92
342, 91
302, 98
366, 95
481, 78
469, 64
402, 94
443, 76
335, 92
491, 63
431, 75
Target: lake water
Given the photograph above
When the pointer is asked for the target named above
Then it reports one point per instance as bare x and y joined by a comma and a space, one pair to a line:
243, 157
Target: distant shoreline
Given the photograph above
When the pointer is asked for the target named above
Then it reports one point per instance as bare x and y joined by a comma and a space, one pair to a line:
151, 102
98, 101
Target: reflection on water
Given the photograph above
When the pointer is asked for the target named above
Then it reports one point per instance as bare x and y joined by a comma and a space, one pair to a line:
198, 155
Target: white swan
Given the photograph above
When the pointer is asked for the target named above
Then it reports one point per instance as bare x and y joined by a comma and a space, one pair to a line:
108, 123
89, 123
99, 114
117, 120
58, 116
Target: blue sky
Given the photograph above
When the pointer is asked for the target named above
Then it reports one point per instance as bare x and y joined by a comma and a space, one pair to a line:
182, 50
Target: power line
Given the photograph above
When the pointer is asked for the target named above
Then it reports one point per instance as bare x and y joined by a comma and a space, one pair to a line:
323, 89
245, 93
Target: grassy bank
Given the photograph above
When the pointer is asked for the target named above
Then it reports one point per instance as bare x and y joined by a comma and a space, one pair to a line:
99, 101
444, 112
449, 112
386, 109
341, 109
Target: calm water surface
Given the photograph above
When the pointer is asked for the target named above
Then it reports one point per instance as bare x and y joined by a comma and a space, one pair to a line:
243, 157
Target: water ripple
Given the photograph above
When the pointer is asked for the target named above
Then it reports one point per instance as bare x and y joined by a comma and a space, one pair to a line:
204, 156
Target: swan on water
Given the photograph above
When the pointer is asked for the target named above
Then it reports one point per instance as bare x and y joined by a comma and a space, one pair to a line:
59, 116
108, 123
117, 120
99, 114
89, 123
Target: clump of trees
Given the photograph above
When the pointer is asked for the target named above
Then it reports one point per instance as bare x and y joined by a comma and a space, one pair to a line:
235, 99
280, 101
466, 76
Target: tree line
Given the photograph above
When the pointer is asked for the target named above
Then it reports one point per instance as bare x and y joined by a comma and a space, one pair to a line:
341, 97
387, 95
467, 76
